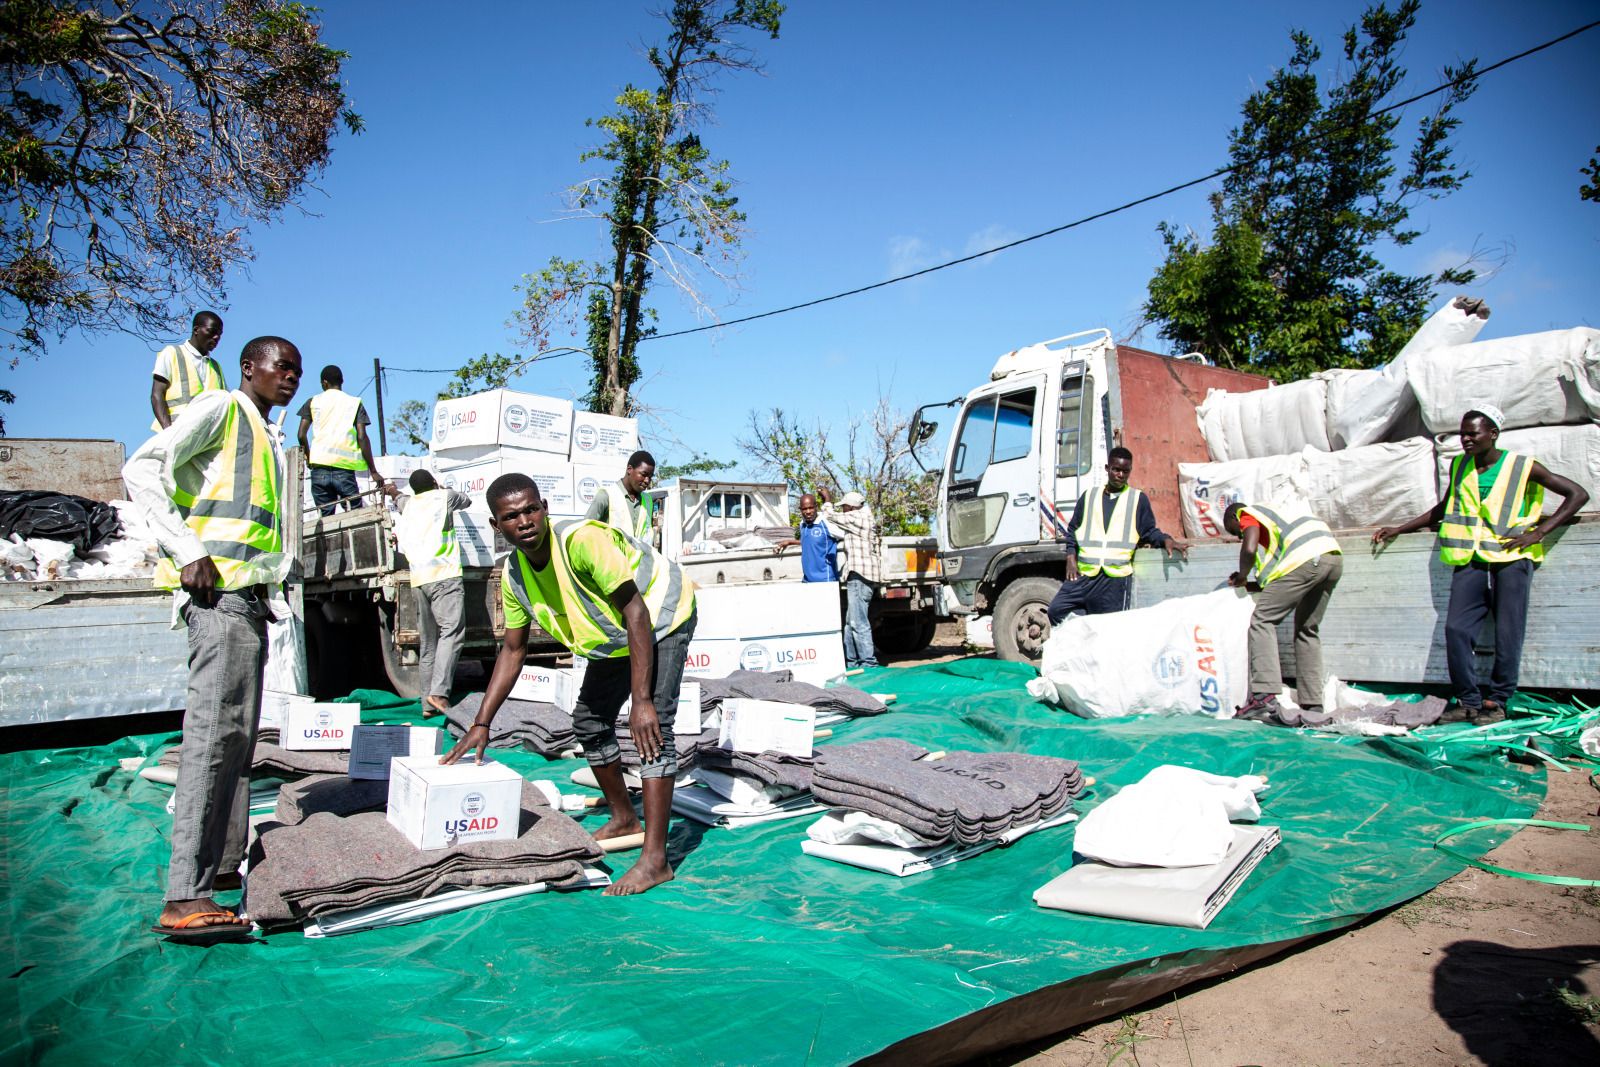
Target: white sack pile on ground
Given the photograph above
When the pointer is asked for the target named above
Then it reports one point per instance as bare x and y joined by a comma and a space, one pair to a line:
1571, 451
1185, 656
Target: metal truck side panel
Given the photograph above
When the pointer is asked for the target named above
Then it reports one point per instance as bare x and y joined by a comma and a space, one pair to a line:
80, 467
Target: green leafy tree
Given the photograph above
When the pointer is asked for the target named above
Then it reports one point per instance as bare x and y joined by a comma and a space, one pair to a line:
1590, 190
411, 425
692, 468
1290, 282
874, 460
666, 203
138, 141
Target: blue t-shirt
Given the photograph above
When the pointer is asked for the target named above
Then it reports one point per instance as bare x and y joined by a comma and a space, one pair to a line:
819, 552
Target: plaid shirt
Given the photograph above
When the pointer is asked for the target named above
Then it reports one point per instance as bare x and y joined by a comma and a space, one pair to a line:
858, 536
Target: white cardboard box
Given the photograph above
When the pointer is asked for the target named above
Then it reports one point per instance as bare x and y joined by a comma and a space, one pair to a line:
436, 806
687, 721
553, 476
589, 482
537, 684
815, 658
600, 438
374, 746
319, 727
767, 726
747, 610
398, 468
477, 541
275, 703
503, 417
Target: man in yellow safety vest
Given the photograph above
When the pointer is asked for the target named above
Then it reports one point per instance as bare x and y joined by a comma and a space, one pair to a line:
212, 486
182, 372
333, 434
1296, 563
626, 504
1109, 522
630, 613
1491, 531
426, 531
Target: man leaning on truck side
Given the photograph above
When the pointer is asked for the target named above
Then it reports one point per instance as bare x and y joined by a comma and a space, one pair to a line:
1491, 533
182, 372
1109, 523
212, 485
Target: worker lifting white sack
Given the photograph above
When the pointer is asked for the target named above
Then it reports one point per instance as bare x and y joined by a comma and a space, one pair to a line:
1536, 379
1185, 656
1570, 451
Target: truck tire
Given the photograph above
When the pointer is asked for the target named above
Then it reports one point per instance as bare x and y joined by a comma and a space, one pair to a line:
1020, 620
904, 636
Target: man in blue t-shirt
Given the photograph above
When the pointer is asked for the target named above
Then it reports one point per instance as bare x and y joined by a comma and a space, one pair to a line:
819, 548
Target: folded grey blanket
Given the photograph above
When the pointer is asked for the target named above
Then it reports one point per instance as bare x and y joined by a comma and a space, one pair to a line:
336, 794
781, 686
768, 768
541, 727
270, 760
329, 864
1424, 712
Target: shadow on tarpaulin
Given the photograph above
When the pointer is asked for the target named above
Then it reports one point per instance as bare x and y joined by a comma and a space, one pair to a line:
756, 953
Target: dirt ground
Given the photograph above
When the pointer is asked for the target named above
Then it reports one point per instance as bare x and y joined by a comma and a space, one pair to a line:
1484, 969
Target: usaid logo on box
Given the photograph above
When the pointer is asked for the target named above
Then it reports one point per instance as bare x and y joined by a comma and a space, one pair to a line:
438, 806
319, 727
515, 418
588, 489
441, 424
755, 657
585, 438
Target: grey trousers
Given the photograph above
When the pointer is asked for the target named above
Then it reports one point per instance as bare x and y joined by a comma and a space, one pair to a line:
1304, 592
210, 821
609, 682
442, 624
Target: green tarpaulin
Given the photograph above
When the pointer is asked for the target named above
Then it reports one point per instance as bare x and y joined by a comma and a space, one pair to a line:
755, 954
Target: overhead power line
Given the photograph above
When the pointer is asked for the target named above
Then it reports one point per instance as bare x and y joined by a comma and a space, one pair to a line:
1075, 223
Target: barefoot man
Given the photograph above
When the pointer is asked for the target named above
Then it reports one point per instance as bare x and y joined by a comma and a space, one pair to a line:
620, 605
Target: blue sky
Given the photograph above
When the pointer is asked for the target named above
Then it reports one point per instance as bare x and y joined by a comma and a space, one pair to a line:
882, 137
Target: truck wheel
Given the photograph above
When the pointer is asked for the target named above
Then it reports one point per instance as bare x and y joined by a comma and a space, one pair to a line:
1020, 620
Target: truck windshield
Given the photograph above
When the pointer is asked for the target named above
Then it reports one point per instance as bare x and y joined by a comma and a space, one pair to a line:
996, 429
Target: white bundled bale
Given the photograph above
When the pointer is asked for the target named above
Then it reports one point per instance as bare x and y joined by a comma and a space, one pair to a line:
1206, 489
1535, 379
1265, 422
1184, 656
1366, 407
1570, 451
1377, 485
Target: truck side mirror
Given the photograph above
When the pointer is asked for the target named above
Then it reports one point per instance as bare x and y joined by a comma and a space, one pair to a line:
920, 431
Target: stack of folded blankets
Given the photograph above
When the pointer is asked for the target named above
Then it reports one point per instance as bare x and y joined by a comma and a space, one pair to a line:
961, 797
336, 794
688, 747
271, 759
544, 728
767, 769
329, 864
841, 700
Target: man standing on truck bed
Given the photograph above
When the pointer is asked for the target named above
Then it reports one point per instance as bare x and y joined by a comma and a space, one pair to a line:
336, 424
212, 486
183, 372
1491, 533
426, 530
1109, 522
1297, 564
628, 611
857, 530
819, 548
626, 505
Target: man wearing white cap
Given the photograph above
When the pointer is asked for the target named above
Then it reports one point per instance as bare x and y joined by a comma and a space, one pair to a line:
1491, 531
852, 521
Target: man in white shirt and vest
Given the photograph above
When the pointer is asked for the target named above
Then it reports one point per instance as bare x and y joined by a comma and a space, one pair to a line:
212, 485
626, 504
333, 433
1109, 523
1491, 533
426, 531
182, 372
630, 612
1290, 560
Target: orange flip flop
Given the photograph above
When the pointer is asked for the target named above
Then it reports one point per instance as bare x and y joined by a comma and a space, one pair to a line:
185, 932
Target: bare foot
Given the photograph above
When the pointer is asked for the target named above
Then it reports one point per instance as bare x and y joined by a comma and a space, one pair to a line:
432, 706
177, 910
622, 824
645, 875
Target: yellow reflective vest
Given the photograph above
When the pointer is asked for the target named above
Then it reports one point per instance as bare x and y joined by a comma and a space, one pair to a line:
1474, 525
594, 628
1109, 545
426, 531
1293, 535
237, 514
620, 514
333, 431
192, 374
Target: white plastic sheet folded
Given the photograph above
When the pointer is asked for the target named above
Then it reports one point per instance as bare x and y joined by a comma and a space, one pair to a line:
1185, 656
903, 862
1536, 379
1265, 422
1570, 451
1173, 817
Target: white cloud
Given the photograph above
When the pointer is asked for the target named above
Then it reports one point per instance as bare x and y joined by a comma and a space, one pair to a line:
909, 254
989, 237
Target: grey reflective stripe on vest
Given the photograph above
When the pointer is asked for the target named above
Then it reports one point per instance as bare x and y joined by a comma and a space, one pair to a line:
232, 550
186, 386
1287, 542
1499, 523
244, 454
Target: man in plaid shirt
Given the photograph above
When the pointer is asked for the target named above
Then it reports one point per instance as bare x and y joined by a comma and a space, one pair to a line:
852, 522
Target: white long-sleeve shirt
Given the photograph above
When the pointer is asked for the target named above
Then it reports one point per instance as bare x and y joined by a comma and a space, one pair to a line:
189, 453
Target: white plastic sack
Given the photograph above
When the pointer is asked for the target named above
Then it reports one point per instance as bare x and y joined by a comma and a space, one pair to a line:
286, 670
1589, 741
17, 559
1366, 406
1184, 656
1206, 489
1457, 323
1378, 485
1570, 451
1265, 422
1238, 794
52, 557
1536, 379
1162, 821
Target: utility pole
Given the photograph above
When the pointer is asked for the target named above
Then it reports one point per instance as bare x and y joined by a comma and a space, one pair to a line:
377, 378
